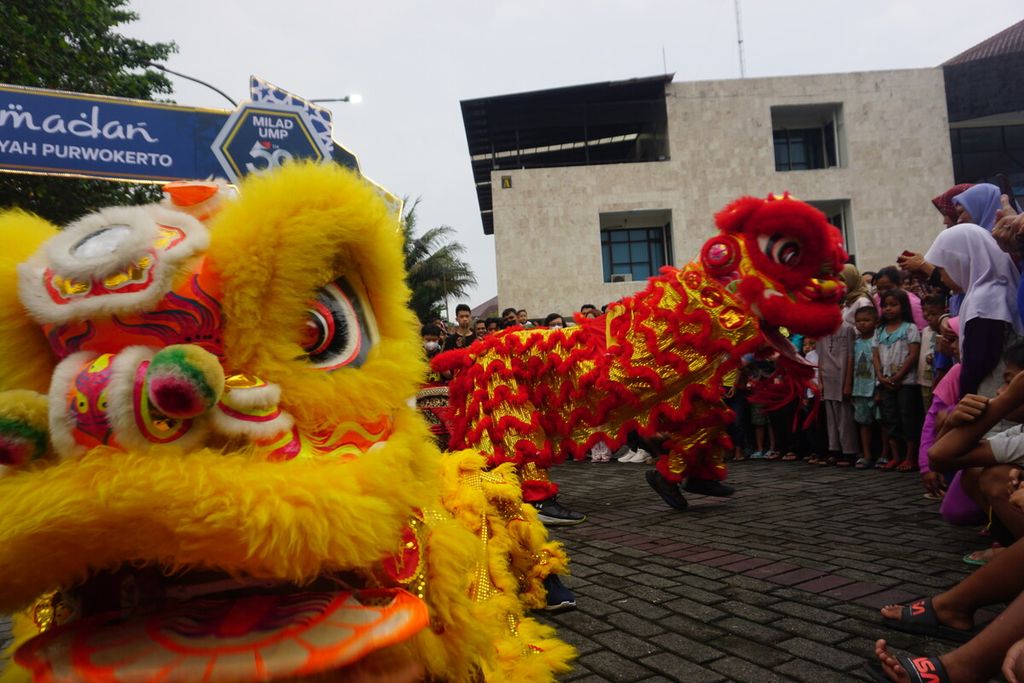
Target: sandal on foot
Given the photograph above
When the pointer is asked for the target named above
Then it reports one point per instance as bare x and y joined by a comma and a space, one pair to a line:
863, 464
906, 466
773, 455
790, 457
980, 558
890, 466
920, 619
917, 670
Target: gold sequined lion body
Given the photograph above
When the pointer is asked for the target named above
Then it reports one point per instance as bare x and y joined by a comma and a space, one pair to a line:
656, 362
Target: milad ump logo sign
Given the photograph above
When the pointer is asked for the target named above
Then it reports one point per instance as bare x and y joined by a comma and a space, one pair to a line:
51, 132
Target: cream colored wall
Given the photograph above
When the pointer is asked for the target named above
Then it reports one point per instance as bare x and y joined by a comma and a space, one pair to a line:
547, 238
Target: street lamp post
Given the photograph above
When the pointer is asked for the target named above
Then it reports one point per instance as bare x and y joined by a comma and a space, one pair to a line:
353, 98
214, 88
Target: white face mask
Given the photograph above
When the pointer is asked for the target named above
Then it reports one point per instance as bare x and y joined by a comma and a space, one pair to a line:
431, 346
556, 326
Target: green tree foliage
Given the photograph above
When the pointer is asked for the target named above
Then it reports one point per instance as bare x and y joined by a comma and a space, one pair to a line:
434, 265
72, 45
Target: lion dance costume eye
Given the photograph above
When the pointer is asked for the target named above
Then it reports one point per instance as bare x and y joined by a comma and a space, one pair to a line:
209, 466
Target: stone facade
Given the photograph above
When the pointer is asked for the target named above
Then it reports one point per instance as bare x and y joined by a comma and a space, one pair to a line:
896, 157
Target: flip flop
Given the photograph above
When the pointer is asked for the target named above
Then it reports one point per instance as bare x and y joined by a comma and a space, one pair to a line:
974, 561
919, 618
918, 670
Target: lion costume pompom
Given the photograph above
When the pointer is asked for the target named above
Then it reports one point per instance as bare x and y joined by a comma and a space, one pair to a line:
212, 470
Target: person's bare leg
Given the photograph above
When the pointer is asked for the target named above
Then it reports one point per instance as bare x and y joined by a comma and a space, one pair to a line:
977, 660
865, 442
759, 438
994, 485
998, 581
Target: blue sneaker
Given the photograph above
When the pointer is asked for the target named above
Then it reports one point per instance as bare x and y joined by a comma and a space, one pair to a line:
560, 598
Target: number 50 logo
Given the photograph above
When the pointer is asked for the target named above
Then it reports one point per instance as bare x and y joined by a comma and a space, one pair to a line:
265, 159
259, 137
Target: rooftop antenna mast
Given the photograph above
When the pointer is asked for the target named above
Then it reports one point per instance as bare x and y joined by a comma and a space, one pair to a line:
739, 40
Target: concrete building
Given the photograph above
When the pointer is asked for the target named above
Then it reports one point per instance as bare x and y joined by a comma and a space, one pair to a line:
589, 189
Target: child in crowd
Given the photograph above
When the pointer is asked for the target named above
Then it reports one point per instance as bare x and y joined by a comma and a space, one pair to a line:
757, 371
810, 435
896, 348
735, 396
864, 389
933, 307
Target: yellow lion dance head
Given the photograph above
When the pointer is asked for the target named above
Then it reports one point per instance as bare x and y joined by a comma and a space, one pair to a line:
212, 469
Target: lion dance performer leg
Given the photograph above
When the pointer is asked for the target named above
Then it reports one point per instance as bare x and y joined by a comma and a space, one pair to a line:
657, 361
211, 470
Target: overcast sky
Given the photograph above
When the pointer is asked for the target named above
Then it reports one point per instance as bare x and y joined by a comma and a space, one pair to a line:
414, 61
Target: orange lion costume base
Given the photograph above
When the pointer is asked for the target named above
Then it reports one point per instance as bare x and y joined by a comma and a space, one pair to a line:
211, 468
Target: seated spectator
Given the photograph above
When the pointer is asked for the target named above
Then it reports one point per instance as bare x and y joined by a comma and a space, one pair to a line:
950, 616
554, 320
964, 440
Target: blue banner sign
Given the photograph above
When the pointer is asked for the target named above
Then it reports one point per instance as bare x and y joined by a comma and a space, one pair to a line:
51, 132
54, 132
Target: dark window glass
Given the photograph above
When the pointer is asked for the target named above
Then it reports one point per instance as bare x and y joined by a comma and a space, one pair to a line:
805, 149
980, 153
639, 252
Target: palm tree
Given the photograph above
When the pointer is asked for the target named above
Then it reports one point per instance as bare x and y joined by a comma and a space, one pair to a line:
434, 265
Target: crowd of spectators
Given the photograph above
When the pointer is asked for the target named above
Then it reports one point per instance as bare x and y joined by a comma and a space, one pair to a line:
925, 375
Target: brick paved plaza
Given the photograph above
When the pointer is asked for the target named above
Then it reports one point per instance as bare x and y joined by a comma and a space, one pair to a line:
781, 582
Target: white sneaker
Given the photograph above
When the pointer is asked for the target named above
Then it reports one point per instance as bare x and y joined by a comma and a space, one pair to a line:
642, 456
630, 456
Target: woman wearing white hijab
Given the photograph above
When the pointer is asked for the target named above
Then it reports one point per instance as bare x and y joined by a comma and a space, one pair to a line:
973, 263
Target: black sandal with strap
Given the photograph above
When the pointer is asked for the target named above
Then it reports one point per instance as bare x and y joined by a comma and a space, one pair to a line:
918, 670
920, 619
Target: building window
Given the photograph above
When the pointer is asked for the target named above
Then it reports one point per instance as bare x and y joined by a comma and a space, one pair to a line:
837, 211
980, 152
635, 244
808, 137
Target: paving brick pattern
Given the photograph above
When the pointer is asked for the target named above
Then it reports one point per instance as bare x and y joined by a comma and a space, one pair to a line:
779, 583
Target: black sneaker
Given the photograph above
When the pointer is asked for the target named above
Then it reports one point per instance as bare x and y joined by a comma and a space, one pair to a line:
708, 487
552, 513
559, 598
668, 491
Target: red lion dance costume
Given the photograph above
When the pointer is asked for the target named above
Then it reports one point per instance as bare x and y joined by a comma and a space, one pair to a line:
656, 361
